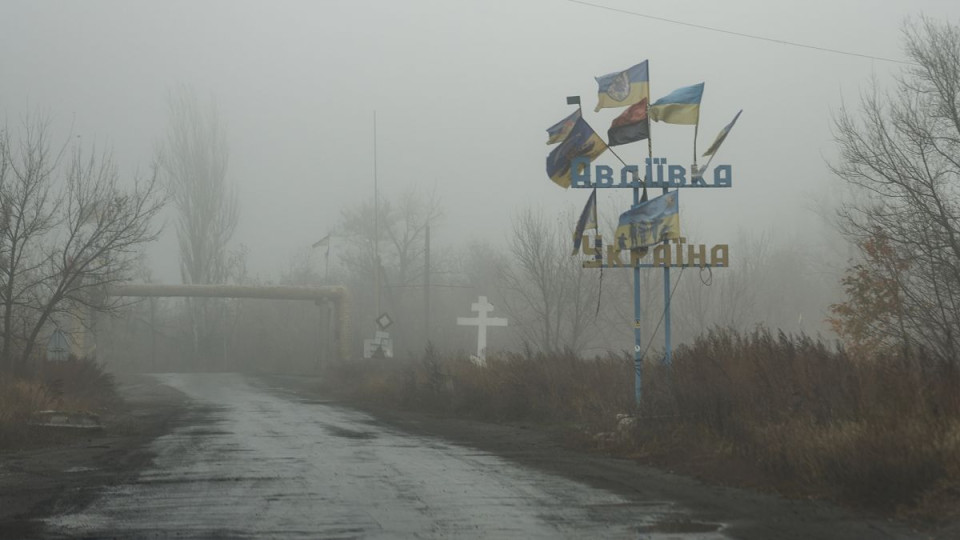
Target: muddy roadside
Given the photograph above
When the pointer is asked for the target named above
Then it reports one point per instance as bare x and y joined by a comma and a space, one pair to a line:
64, 470
743, 513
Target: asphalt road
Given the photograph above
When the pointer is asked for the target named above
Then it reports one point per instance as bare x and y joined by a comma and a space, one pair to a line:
255, 462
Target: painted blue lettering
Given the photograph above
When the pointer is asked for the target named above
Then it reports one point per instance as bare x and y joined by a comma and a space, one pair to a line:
629, 175
723, 176
580, 172
604, 176
676, 175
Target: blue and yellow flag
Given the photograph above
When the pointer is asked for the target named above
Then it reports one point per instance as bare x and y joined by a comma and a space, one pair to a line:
582, 141
650, 222
559, 131
588, 220
623, 87
682, 106
722, 136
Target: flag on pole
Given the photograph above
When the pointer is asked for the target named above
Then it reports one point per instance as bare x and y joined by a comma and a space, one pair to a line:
559, 131
325, 241
582, 141
720, 136
631, 126
650, 222
682, 106
588, 220
623, 87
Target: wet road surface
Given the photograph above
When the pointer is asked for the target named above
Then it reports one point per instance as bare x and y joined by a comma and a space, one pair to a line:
261, 463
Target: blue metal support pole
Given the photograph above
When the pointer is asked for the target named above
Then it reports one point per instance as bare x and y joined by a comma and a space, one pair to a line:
666, 307
637, 341
666, 314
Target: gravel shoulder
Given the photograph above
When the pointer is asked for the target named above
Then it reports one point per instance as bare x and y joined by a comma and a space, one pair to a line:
69, 467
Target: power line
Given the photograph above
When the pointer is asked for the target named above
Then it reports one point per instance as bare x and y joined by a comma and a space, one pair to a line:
742, 34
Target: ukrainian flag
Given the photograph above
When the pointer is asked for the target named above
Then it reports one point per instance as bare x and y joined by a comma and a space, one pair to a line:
721, 136
682, 106
582, 141
623, 87
559, 131
650, 222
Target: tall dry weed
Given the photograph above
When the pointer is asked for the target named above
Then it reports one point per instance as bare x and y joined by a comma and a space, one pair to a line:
19, 400
79, 385
875, 431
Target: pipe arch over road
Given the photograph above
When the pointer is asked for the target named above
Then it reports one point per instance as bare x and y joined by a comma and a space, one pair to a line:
319, 295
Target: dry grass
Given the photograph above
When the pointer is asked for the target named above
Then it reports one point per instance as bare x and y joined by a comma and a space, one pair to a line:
880, 433
80, 385
77, 386
803, 417
558, 388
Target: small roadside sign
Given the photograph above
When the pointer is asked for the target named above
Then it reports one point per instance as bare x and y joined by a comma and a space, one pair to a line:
384, 321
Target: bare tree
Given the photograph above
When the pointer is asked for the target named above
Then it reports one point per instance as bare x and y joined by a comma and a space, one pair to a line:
900, 154
64, 241
403, 222
29, 209
548, 294
194, 159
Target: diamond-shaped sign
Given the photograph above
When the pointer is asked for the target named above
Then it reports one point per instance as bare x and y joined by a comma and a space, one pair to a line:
383, 321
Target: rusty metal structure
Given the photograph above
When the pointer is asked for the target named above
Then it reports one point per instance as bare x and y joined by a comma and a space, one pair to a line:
337, 296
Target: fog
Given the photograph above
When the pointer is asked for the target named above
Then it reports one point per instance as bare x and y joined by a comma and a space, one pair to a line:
462, 92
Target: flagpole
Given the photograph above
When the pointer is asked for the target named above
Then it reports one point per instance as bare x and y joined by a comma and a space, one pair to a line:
667, 345
638, 351
596, 215
637, 337
709, 161
696, 128
376, 215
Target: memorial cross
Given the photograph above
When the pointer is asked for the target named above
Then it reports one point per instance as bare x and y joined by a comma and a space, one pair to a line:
481, 321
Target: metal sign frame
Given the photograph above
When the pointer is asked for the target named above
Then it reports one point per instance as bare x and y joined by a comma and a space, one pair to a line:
657, 173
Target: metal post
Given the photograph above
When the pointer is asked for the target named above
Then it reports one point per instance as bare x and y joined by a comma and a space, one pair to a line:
376, 216
320, 323
666, 306
426, 287
153, 333
637, 341
666, 314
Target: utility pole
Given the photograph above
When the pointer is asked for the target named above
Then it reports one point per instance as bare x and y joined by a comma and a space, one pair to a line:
426, 287
376, 216
153, 333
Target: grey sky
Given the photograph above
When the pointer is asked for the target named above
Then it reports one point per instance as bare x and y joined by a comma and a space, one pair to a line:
463, 92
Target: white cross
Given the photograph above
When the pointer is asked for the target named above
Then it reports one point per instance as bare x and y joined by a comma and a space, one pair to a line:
481, 321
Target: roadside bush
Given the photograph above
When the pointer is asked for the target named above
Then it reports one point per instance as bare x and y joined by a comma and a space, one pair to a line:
529, 386
81, 384
878, 431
